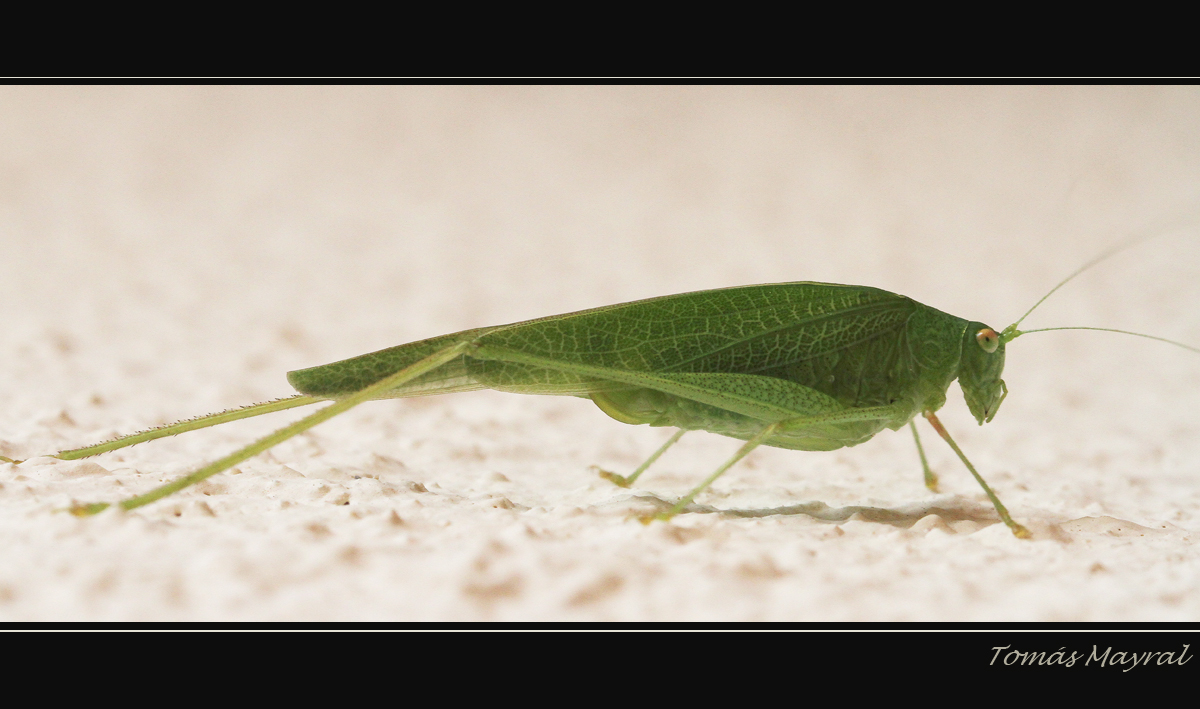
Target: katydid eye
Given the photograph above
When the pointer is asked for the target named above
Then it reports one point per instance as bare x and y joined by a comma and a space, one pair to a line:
988, 339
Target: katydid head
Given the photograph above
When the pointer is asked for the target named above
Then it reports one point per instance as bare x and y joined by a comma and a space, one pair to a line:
979, 371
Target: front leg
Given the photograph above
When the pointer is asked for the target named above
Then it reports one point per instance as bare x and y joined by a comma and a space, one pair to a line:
1017, 529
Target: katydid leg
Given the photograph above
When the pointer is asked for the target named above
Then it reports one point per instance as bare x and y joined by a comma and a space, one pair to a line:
622, 481
178, 427
931, 480
1017, 529
340, 406
873, 413
174, 429
741, 453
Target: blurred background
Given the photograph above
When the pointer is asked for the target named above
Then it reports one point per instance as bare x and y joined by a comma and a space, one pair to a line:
208, 239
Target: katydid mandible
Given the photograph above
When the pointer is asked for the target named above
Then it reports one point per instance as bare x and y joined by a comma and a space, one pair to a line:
806, 366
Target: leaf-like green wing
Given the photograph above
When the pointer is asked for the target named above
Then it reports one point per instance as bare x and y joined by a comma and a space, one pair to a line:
802, 332
796, 331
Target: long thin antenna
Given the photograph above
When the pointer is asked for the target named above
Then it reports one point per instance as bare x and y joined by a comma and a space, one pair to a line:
1018, 333
1011, 332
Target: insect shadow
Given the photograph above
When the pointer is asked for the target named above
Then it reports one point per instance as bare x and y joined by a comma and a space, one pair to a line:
804, 366
903, 516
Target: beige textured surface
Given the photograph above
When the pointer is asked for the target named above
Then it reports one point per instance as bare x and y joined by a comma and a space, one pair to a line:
173, 251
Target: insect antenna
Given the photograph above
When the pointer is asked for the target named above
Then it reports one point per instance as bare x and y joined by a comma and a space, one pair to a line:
1018, 333
1011, 332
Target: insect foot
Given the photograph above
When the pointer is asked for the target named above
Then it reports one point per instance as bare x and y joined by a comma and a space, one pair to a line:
618, 480
661, 516
81, 510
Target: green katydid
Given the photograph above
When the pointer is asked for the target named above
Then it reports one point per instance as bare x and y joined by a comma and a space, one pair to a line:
805, 366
